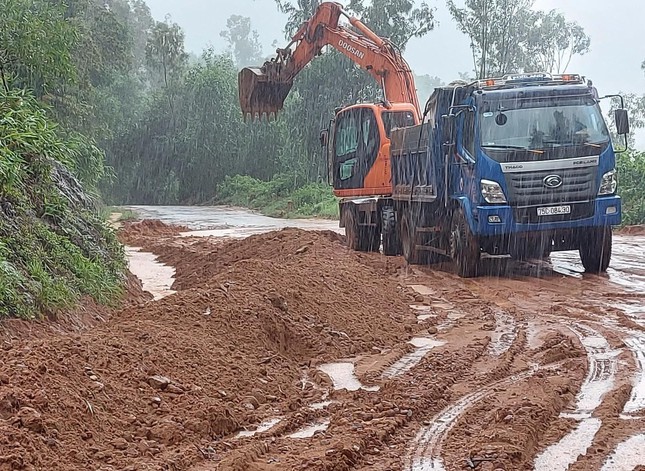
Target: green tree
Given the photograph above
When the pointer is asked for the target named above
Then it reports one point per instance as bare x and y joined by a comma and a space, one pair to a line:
165, 51
508, 36
36, 45
243, 42
397, 20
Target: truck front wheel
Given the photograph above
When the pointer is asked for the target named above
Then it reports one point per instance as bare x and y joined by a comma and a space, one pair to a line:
360, 238
595, 249
464, 246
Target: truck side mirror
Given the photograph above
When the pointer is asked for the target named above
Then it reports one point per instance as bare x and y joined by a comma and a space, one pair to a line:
324, 137
622, 121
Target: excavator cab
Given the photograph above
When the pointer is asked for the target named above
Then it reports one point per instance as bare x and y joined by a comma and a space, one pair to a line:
259, 94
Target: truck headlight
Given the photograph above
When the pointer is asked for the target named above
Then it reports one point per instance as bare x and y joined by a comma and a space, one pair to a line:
492, 192
608, 184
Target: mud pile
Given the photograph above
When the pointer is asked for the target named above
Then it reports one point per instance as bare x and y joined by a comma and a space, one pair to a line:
152, 387
138, 232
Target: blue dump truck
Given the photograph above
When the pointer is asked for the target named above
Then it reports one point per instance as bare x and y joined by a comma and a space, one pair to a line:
518, 166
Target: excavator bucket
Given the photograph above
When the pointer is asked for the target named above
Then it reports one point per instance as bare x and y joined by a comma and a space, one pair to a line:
259, 94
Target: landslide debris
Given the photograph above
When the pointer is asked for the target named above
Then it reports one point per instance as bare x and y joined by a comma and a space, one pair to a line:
155, 386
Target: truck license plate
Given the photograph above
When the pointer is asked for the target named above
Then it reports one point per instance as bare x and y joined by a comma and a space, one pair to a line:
554, 210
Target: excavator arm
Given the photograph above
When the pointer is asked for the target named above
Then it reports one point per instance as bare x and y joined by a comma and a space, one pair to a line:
263, 90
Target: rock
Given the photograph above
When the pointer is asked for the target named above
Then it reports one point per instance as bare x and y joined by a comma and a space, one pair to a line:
432, 330
278, 302
94, 377
166, 432
30, 419
174, 389
302, 249
120, 443
158, 382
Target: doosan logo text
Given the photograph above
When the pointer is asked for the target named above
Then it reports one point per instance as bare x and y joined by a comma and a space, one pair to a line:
350, 48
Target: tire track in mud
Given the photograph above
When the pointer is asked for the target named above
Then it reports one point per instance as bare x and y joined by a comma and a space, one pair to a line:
426, 452
505, 332
602, 361
636, 401
628, 455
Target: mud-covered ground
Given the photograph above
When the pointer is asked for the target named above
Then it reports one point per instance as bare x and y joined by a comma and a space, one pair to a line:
286, 351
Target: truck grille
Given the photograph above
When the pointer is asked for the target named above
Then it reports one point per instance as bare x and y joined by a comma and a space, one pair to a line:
528, 189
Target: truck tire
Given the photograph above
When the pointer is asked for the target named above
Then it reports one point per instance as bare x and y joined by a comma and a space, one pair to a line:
391, 239
595, 249
408, 239
352, 230
464, 246
360, 238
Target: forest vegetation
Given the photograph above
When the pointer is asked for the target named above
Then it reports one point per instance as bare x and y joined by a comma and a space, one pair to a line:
101, 102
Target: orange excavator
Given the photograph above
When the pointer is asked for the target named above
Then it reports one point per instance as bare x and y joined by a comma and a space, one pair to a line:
357, 142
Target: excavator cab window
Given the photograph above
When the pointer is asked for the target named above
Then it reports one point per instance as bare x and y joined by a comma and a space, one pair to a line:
397, 119
356, 143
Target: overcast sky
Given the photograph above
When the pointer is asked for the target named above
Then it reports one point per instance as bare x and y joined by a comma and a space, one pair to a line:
615, 28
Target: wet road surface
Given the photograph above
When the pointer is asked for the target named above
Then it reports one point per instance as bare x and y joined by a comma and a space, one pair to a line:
551, 330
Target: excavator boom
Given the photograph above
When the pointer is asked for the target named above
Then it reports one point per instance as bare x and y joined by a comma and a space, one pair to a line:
263, 90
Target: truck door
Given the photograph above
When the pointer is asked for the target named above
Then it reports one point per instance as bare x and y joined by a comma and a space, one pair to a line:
355, 147
464, 182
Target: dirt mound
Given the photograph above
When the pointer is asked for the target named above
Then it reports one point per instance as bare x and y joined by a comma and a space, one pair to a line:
140, 232
155, 385
197, 261
638, 230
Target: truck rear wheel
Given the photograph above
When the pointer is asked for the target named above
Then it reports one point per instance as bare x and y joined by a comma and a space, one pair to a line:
391, 239
464, 246
595, 249
408, 239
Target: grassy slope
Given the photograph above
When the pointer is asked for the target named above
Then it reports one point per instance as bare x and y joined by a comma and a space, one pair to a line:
279, 197
54, 246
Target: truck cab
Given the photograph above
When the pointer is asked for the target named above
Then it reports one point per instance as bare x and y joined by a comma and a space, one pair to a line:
521, 166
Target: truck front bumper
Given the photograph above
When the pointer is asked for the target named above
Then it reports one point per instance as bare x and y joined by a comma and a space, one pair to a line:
500, 220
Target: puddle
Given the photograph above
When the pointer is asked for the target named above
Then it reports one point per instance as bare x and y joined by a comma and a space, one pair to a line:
628, 455
599, 381
533, 335
633, 310
343, 377
409, 361
450, 321
423, 290
263, 427
156, 278
321, 405
602, 370
308, 431
564, 453
505, 333
423, 312
637, 399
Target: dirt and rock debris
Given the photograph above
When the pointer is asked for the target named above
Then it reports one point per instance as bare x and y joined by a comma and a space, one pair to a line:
287, 351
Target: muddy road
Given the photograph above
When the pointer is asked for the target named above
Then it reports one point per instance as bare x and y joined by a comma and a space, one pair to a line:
264, 348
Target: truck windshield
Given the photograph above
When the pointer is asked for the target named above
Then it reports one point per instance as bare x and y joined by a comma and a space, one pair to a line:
397, 119
544, 128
